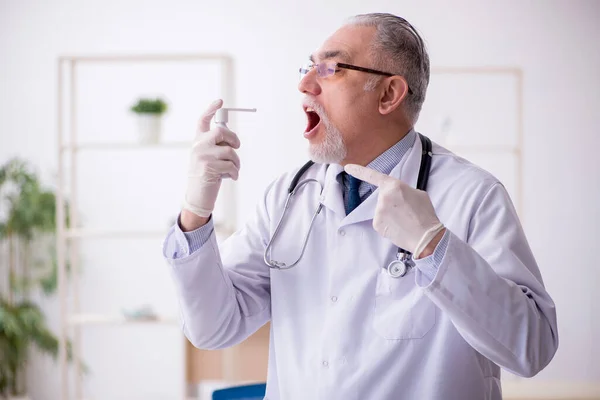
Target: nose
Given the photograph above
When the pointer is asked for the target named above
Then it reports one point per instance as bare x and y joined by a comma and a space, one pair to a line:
309, 85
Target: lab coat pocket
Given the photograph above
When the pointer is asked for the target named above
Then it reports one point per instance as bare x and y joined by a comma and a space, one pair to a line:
402, 310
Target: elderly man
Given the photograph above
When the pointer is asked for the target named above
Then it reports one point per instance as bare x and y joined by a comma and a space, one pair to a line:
397, 270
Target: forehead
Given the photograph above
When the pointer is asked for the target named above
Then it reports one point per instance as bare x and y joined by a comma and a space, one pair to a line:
347, 44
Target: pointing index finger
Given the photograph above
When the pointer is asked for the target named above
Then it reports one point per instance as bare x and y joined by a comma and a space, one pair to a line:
367, 174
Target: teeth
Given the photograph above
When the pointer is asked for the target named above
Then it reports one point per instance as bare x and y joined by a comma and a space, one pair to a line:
310, 109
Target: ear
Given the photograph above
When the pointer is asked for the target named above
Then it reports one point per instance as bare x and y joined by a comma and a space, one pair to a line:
394, 91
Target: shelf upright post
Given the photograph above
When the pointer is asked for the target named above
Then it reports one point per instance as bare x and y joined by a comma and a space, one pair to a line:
61, 238
73, 216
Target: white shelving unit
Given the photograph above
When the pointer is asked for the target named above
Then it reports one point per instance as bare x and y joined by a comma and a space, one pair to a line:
99, 319
72, 318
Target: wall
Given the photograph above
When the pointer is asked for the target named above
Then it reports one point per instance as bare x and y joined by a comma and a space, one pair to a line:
554, 42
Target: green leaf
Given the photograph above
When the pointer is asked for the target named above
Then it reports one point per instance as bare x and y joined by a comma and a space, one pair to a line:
28, 218
49, 282
149, 106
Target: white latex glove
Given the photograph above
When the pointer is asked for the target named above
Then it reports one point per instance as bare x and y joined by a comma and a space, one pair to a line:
212, 158
403, 214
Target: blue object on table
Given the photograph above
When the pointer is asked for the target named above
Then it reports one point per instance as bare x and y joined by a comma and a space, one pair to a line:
245, 392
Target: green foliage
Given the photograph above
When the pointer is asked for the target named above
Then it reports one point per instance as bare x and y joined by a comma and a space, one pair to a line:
21, 324
31, 209
150, 106
27, 217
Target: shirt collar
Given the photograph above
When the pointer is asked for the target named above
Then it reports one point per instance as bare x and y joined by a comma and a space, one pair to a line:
387, 160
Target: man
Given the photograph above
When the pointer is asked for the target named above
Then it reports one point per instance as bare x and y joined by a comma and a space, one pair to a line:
343, 325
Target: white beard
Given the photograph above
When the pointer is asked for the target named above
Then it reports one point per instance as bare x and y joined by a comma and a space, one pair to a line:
332, 150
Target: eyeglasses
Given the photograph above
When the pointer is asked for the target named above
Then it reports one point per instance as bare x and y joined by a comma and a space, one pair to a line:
327, 69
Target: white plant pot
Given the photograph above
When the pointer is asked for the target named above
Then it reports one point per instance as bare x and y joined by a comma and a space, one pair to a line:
149, 128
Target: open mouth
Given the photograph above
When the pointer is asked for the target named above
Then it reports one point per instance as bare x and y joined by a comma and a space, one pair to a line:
313, 120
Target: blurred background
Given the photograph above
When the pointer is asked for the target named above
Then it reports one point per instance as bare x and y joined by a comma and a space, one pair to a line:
99, 101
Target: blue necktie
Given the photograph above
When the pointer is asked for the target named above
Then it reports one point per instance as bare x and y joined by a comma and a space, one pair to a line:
353, 199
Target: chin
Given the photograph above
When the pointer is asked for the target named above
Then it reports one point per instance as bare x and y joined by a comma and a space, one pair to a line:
320, 154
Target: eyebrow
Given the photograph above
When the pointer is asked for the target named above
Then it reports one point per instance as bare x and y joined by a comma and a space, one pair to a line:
326, 55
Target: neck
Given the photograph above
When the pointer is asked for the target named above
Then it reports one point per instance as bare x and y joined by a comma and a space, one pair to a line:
376, 142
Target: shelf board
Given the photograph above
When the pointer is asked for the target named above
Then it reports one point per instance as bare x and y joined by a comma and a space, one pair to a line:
110, 234
146, 57
126, 146
151, 233
116, 319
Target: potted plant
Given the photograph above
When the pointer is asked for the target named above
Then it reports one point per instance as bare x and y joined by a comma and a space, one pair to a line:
149, 114
27, 225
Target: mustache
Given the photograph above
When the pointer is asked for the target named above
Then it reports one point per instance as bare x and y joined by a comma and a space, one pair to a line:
309, 102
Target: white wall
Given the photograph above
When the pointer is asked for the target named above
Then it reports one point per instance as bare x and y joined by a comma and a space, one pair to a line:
554, 42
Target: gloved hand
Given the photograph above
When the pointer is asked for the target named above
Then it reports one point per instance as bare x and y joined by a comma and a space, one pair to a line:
212, 157
403, 214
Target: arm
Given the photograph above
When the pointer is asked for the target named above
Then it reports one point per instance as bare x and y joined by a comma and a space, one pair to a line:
179, 244
190, 221
492, 289
489, 286
223, 300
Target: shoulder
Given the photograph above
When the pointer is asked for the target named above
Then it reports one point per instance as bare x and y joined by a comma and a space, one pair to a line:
299, 173
279, 188
463, 192
452, 172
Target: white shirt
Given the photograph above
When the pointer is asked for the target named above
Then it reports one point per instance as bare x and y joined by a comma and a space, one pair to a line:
342, 328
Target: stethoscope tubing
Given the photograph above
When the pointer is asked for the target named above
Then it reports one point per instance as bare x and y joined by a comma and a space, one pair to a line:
396, 268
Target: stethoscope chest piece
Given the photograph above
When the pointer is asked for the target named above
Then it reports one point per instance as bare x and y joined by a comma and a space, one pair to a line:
400, 266
397, 268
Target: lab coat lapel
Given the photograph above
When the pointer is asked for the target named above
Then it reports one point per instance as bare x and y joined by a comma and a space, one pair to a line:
407, 171
332, 197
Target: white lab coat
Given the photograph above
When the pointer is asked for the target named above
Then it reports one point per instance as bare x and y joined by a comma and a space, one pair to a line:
341, 328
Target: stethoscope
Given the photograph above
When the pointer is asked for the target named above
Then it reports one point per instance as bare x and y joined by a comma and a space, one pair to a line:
396, 268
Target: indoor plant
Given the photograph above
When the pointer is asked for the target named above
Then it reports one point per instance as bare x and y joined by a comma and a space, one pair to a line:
27, 226
149, 114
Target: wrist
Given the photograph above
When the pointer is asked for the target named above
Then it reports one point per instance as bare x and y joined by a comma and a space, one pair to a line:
430, 248
188, 221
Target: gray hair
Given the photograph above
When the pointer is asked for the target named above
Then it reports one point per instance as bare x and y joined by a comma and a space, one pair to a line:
398, 49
